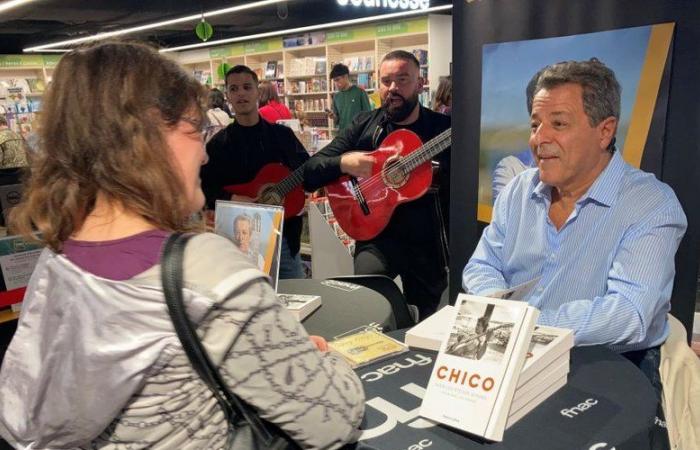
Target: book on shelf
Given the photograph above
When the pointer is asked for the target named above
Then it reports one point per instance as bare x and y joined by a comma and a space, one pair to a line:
366, 346
320, 68
300, 305
280, 70
363, 80
271, 69
477, 368
421, 55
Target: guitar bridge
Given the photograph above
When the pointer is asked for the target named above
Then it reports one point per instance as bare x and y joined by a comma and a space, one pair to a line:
359, 197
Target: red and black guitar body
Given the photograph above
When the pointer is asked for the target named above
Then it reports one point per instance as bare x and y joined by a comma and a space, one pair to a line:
402, 172
274, 184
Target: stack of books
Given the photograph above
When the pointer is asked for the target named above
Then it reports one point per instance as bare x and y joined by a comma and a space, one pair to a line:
543, 372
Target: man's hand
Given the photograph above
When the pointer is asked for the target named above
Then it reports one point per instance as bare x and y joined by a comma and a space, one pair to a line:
357, 164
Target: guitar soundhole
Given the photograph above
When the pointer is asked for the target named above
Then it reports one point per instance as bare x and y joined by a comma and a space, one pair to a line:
393, 174
270, 197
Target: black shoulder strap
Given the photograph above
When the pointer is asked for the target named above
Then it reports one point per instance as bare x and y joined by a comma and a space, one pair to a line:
172, 279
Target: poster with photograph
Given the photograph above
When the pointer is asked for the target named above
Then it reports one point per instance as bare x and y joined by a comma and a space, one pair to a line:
256, 230
639, 58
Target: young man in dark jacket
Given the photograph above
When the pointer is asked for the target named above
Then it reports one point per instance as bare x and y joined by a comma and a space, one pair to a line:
238, 152
414, 243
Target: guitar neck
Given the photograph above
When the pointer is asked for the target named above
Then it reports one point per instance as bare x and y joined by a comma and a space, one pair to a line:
293, 180
429, 150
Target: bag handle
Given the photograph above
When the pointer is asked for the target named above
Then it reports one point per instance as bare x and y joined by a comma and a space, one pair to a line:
172, 279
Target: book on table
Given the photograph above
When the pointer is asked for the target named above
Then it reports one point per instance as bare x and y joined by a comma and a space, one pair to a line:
366, 346
546, 362
300, 305
477, 368
547, 344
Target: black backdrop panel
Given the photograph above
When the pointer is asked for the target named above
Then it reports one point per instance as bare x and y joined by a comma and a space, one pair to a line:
479, 22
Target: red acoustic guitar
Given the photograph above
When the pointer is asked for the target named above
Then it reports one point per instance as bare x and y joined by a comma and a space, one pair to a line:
402, 172
274, 185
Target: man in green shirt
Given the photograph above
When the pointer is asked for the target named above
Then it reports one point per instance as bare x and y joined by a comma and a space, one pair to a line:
349, 100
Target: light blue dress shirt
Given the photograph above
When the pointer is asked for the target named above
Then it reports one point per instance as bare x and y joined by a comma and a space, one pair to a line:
607, 274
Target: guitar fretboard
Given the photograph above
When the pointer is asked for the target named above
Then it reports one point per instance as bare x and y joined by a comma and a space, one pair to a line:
293, 180
427, 151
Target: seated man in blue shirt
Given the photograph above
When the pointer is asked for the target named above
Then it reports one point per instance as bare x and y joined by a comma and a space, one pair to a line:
601, 234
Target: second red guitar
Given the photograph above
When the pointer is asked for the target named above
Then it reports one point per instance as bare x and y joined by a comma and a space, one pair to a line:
274, 184
402, 172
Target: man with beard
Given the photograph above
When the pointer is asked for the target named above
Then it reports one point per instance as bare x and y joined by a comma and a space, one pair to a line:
414, 243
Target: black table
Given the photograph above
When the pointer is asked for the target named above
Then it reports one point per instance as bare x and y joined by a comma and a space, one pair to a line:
344, 306
621, 412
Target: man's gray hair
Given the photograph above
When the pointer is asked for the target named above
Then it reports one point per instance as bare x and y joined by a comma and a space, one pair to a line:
601, 91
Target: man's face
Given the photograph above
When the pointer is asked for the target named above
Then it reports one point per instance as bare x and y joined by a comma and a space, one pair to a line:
242, 93
241, 235
342, 82
570, 153
399, 86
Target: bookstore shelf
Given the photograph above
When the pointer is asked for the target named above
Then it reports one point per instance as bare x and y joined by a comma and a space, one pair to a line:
301, 64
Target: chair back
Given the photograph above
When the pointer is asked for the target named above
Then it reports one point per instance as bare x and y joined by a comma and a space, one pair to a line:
386, 287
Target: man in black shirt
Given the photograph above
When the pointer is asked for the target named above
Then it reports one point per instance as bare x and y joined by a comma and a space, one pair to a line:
238, 152
414, 243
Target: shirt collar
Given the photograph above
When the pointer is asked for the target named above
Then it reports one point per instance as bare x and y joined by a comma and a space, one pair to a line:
605, 189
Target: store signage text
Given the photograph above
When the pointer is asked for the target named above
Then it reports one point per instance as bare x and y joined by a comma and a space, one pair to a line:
392, 4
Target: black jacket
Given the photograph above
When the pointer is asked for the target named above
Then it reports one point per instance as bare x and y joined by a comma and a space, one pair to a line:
236, 155
414, 222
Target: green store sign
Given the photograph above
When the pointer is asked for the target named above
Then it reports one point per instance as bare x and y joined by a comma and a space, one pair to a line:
419, 25
21, 60
33, 61
267, 45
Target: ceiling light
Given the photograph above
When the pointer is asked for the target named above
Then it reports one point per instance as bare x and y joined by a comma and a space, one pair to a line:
6, 6
150, 26
309, 28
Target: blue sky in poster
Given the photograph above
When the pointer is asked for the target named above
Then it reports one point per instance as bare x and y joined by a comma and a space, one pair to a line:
509, 66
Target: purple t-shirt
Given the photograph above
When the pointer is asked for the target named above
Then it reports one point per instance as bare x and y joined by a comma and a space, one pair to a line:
119, 259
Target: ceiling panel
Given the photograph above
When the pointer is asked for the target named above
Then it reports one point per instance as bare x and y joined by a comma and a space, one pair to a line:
46, 21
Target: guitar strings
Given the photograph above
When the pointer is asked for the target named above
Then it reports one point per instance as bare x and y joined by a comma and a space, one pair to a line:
439, 143
370, 184
433, 144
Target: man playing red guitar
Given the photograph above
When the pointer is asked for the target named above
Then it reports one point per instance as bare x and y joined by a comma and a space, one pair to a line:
414, 243
238, 152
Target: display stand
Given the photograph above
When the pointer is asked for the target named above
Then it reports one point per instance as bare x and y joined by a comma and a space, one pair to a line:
330, 256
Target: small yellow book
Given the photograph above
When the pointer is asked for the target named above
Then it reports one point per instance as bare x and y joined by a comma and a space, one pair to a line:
367, 346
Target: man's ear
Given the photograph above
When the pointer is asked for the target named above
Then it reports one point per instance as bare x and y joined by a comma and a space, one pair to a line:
607, 129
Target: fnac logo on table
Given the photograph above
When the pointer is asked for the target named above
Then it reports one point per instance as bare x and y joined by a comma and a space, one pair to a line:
392, 4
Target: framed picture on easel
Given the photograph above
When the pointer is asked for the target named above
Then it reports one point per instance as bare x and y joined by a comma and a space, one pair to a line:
256, 230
